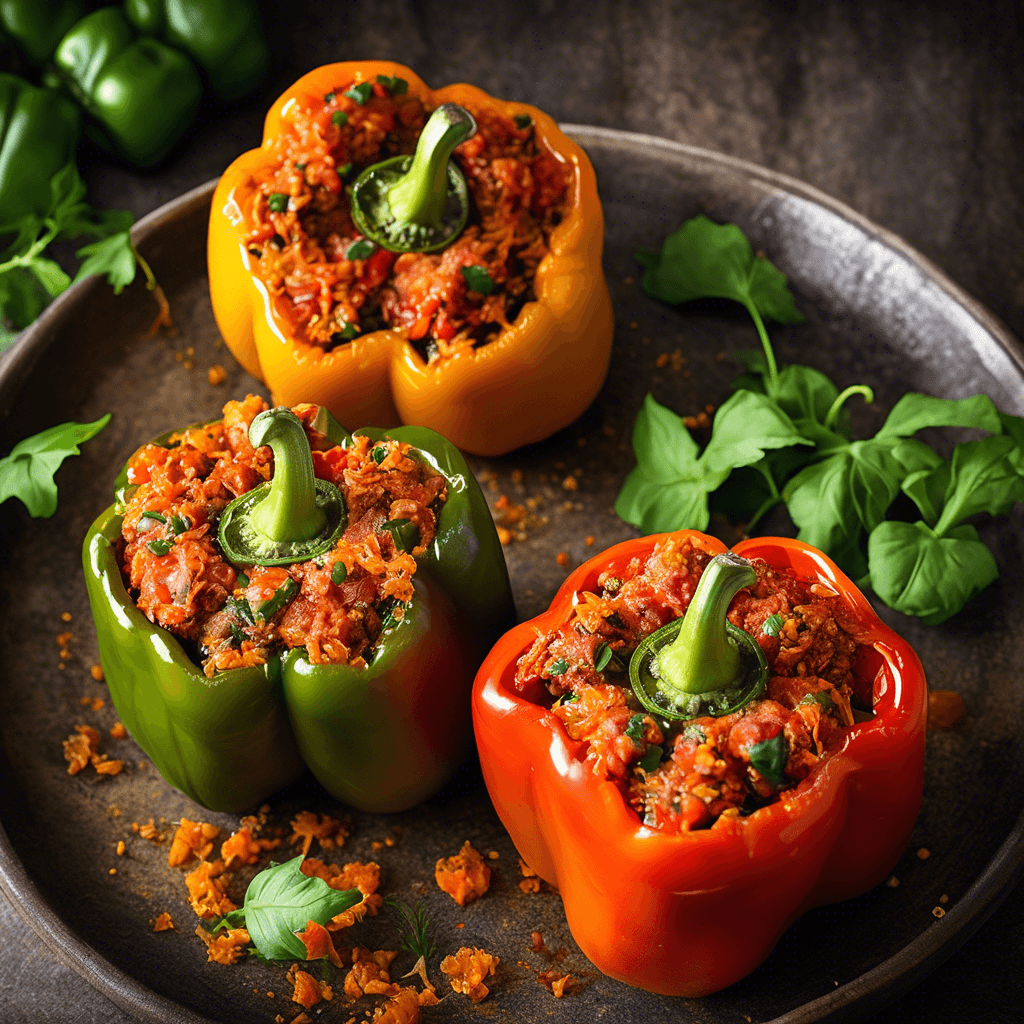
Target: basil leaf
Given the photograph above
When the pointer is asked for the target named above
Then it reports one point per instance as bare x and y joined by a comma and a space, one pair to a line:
278, 202
179, 524
559, 667
769, 759
773, 624
281, 901
707, 260
27, 472
160, 546
919, 573
340, 118
914, 412
378, 454
983, 478
602, 656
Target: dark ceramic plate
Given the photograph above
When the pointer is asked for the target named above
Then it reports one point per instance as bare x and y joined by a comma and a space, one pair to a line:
877, 313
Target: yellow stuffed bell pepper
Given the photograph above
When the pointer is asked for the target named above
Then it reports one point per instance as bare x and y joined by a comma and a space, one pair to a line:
399, 254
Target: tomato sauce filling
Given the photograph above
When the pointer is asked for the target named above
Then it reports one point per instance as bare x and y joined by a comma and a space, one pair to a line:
709, 768
303, 239
229, 618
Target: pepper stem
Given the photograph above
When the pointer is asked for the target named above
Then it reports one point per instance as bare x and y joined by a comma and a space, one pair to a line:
703, 657
421, 195
290, 511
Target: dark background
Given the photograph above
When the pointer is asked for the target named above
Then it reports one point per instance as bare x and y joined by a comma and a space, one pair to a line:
911, 113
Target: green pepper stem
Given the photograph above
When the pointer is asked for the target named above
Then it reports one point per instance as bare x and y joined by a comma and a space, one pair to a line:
703, 657
421, 196
289, 512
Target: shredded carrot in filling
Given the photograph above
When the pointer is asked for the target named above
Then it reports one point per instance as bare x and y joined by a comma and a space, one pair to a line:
180, 580
706, 771
302, 227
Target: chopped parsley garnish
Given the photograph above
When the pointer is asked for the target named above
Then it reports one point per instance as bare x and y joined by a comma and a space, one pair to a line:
773, 624
282, 596
559, 667
347, 333
344, 170
394, 85
695, 732
329, 97
821, 698
360, 93
769, 758
155, 516
160, 547
570, 698
478, 280
339, 573
278, 202
360, 250
523, 120
239, 607
340, 118
635, 728
405, 532
241, 579
378, 454
602, 656
650, 761
179, 524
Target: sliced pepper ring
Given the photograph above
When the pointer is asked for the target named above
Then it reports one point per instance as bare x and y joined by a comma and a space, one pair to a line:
645, 678
418, 203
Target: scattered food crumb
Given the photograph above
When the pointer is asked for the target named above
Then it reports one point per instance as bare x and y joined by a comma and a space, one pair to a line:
924, 853
530, 882
121, 848
467, 969
96, 671
216, 375
562, 559
945, 709
892, 882
943, 898
493, 855
536, 941
82, 750
118, 731
65, 616
556, 982
112, 871
589, 542
465, 877
307, 826
163, 923
938, 912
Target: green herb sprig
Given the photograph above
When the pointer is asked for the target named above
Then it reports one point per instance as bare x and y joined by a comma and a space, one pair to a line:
414, 927
27, 473
784, 437
29, 278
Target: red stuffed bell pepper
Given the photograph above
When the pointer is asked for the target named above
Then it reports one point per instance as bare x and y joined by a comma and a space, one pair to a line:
761, 764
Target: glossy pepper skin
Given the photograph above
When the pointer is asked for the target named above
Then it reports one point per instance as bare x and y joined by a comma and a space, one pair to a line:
36, 27
692, 913
537, 377
381, 738
38, 135
142, 94
224, 37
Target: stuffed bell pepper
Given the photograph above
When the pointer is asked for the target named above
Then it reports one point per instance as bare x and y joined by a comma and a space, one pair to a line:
271, 592
695, 746
398, 254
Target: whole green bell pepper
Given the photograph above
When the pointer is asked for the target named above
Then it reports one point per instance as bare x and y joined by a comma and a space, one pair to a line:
38, 135
142, 94
37, 27
224, 37
382, 737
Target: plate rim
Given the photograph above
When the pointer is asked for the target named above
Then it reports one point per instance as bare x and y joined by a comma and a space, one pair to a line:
867, 993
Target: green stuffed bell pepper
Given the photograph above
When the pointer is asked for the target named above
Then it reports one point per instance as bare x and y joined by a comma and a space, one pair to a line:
142, 94
36, 27
224, 37
332, 616
38, 135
